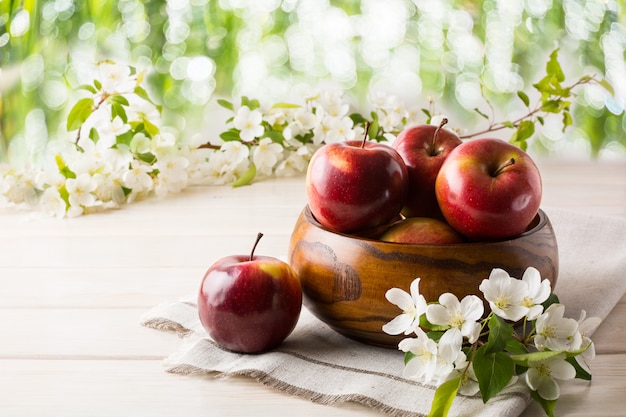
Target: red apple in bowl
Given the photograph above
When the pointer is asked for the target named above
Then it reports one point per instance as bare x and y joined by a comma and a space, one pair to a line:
488, 189
424, 148
353, 186
422, 230
249, 303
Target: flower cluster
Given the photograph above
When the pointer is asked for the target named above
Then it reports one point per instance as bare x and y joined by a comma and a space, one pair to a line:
117, 150
524, 336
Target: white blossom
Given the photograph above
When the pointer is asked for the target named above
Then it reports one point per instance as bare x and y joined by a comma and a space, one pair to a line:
173, 175
249, 123
138, 178
423, 366
266, 155
52, 204
80, 190
235, 152
116, 78
586, 326
413, 305
538, 291
432, 361
505, 295
463, 315
541, 376
555, 332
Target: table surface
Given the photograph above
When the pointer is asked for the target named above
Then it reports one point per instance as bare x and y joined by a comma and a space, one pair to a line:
72, 293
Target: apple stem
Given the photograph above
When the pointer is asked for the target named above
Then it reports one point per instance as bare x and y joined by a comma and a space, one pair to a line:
502, 167
367, 128
256, 242
444, 122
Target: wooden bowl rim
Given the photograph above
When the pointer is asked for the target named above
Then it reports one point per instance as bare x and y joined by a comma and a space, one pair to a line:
539, 222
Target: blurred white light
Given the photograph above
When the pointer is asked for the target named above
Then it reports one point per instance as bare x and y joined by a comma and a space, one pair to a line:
20, 23
178, 68
200, 68
32, 72
54, 93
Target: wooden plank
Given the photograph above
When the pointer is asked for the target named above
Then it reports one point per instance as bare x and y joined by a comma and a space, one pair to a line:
97, 287
68, 333
105, 388
110, 387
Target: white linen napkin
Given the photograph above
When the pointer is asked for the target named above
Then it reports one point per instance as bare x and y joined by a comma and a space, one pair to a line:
320, 365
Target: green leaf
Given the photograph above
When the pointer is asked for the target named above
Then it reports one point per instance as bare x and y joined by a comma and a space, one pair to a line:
567, 120
126, 191
286, 106
63, 168
552, 299
230, 135
525, 130
534, 356
87, 87
97, 84
118, 110
500, 333
139, 91
515, 347
150, 127
358, 118
276, 136
547, 405
119, 100
226, 104
124, 138
65, 196
94, 135
580, 372
246, 178
554, 68
493, 371
372, 132
551, 106
252, 104
444, 396
147, 157
79, 113
524, 97
408, 356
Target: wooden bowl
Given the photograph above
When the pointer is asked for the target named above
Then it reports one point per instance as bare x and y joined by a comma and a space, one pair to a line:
345, 278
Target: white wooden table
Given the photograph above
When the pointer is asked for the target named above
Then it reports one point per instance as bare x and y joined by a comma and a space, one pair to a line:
72, 293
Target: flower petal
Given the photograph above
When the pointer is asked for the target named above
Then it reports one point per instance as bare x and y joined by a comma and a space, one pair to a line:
400, 324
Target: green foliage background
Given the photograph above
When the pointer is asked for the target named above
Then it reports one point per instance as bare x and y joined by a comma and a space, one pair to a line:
43, 42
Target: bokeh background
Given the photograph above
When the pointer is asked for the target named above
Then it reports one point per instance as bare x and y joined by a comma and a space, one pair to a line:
454, 53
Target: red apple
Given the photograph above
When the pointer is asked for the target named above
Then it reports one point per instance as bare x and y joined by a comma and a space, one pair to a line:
422, 230
249, 303
356, 185
489, 189
423, 149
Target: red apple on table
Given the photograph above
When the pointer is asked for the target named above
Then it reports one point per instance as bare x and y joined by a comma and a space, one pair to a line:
422, 230
356, 185
424, 148
489, 189
249, 303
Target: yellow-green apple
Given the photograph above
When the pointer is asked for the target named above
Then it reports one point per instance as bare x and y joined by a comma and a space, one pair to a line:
488, 189
423, 149
249, 303
356, 185
422, 230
